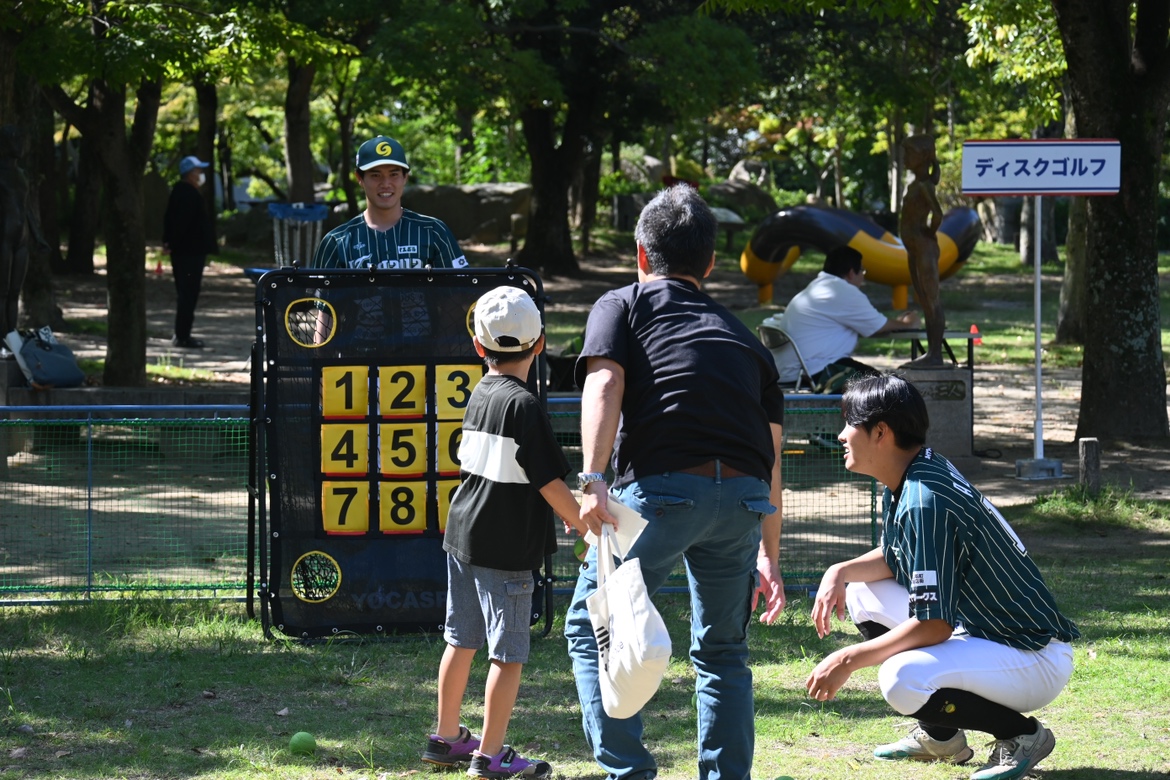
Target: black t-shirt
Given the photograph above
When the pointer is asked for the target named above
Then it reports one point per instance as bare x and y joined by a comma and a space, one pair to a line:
698, 384
186, 228
498, 518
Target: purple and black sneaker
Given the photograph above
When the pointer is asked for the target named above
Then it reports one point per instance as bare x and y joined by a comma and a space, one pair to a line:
507, 763
444, 753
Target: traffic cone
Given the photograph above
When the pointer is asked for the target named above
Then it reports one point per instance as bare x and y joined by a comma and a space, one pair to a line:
978, 340
158, 271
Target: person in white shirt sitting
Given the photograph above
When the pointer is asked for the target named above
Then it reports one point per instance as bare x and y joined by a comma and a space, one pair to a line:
826, 318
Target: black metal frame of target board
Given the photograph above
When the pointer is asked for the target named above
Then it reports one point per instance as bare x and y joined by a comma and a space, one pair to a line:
359, 384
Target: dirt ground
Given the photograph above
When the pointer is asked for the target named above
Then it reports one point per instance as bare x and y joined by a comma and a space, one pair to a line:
1004, 395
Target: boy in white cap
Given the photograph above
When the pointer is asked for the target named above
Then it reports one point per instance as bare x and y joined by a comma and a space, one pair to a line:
187, 238
386, 235
497, 533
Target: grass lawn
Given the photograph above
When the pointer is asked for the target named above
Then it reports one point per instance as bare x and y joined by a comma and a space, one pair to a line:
154, 689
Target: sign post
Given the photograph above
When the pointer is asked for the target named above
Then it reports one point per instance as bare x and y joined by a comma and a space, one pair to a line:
1037, 168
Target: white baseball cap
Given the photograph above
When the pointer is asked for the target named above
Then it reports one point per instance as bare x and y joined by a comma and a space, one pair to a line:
507, 320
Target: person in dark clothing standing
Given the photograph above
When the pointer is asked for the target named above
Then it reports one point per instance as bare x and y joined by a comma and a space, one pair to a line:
187, 238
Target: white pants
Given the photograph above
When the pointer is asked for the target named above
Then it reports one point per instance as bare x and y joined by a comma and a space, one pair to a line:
1022, 680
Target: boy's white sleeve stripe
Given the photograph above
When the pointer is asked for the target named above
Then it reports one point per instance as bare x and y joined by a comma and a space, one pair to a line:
492, 457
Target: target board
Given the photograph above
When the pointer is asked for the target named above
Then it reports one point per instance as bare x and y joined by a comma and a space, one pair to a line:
362, 383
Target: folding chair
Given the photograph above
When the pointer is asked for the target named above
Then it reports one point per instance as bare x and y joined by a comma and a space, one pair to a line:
775, 339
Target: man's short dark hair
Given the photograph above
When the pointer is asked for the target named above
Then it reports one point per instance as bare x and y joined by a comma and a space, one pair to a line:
876, 398
842, 260
678, 231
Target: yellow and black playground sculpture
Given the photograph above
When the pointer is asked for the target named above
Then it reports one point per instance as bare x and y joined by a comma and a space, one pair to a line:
779, 240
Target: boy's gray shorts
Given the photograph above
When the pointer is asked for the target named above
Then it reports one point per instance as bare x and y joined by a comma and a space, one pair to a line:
489, 605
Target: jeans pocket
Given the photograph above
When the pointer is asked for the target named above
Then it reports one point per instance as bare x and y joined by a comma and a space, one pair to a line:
661, 504
758, 506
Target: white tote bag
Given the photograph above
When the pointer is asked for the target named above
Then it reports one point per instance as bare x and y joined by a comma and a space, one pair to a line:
633, 645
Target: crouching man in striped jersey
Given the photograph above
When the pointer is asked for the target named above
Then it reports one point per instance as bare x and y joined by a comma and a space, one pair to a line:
951, 606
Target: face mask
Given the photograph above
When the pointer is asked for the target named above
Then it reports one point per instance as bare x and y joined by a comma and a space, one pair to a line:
202, 179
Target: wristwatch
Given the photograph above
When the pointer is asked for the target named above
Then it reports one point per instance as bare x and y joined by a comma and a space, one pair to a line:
588, 478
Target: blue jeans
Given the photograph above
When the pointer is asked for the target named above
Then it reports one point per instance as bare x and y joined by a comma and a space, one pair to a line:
714, 525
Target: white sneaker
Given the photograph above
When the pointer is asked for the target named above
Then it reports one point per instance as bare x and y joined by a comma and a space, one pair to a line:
920, 746
1013, 758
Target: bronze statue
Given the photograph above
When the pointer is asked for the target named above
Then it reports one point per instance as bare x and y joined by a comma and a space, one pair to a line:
14, 226
921, 217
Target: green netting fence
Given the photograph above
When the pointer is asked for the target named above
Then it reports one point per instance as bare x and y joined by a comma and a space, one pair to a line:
132, 505
123, 506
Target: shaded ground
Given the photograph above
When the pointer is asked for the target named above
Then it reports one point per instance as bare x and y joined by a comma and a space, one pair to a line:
1004, 395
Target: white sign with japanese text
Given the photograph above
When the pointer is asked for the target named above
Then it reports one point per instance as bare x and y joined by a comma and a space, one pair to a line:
1042, 167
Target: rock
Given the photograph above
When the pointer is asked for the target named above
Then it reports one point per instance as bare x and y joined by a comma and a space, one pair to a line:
750, 201
749, 172
475, 212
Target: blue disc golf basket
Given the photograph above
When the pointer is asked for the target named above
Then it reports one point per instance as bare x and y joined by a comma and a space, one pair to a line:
296, 231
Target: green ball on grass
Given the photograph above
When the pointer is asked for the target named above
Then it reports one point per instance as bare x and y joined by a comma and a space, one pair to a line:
302, 743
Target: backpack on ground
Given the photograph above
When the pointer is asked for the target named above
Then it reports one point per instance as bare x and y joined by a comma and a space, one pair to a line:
44, 361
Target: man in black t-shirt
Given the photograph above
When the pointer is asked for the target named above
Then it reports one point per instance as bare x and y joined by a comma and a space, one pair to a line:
498, 531
696, 398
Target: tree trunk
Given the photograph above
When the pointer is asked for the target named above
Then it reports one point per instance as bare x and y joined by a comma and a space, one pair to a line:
122, 155
897, 135
548, 244
343, 115
590, 181
208, 98
1070, 319
465, 142
346, 124
43, 149
298, 154
125, 280
225, 170
1121, 93
85, 215
18, 202
124, 161
44, 250
1048, 253
838, 194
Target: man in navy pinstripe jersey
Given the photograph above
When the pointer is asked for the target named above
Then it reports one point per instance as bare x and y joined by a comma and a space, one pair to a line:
950, 604
386, 235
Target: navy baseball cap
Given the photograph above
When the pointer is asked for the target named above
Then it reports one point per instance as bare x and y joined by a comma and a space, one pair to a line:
381, 150
188, 164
